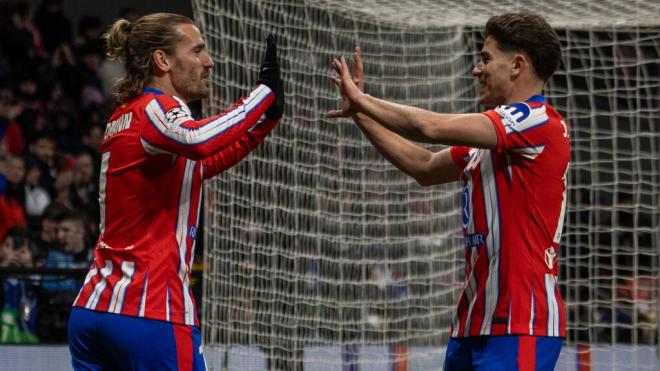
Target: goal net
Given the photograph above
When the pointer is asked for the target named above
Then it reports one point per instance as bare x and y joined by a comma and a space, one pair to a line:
320, 255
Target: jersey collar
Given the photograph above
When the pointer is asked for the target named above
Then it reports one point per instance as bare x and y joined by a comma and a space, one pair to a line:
536, 99
153, 91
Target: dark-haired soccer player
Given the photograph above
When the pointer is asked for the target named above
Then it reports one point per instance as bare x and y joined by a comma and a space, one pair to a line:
512, 160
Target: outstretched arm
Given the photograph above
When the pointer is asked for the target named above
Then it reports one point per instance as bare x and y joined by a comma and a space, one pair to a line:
474, 130
234, 153
170, 128
426, 167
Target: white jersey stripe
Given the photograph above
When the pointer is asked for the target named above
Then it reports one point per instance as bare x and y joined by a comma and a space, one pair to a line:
211, 129
143, 298
532, 315
470, 290
493, 240
529, 153
167, 305
562, 213
553, 307
105, 161
181, 234
150, 149
117, 300
93, 299
92, 272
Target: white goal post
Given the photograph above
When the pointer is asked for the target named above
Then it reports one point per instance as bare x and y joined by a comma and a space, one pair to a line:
321, 255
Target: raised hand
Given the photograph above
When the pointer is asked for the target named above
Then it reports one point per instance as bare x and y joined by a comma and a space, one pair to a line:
269, 75
350, 83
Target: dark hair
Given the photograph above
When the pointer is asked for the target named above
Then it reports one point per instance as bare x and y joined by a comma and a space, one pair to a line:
55, 212
18, 234
135, 42
528, 33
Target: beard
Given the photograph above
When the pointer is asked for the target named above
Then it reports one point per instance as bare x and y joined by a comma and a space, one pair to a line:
191, 84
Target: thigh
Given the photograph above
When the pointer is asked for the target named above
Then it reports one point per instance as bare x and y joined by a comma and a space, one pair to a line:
115, 342
459, 355
521, 353
84, 345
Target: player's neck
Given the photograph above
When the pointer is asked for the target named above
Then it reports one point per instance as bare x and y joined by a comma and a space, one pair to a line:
524, 91
165, 85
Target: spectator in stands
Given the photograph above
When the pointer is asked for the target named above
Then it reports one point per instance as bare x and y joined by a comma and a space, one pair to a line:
84, 190
43, 151
58, 291
53, 24
36, 197
12, 202
19, 309
47, 234
21, 41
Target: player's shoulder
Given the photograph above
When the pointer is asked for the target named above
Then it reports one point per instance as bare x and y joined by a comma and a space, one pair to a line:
531, 114
169, 106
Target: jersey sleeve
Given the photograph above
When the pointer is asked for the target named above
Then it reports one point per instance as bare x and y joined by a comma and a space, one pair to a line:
460, 155
235, 152
169, 127
520, 127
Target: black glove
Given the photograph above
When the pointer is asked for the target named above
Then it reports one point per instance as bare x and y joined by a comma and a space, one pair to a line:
269, 75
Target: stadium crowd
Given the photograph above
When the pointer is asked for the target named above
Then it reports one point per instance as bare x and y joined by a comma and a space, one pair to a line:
55, 94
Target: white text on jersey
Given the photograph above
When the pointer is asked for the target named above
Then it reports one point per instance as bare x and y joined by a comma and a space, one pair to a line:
120, 124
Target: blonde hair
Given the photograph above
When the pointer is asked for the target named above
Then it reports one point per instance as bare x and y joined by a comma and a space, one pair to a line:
134, 43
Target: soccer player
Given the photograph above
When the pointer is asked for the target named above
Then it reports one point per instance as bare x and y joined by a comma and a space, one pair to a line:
512, 160
135, 310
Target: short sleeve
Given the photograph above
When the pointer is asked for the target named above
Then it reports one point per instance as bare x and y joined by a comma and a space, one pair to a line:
519, 125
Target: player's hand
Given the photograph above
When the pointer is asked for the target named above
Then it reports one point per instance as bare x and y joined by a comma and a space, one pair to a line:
350, 82
269, 75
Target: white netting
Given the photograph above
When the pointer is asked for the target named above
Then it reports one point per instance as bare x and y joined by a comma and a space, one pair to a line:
318, 251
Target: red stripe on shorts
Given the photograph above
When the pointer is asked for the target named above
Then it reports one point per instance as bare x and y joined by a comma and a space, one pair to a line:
526, 353
184, 347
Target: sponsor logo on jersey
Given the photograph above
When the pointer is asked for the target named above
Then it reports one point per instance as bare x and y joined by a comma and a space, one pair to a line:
513, 114
474, 240
465, 203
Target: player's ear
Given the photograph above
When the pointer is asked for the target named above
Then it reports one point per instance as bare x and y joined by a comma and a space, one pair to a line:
517, 64
160, 61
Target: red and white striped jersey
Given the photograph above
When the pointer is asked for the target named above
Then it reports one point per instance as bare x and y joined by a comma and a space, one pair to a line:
154, 159
513, 204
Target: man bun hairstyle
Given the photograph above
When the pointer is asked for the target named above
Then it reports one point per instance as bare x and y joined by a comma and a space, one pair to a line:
528, 33
134, 43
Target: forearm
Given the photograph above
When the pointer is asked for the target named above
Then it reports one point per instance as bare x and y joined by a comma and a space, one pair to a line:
405, 155
230, 156
425, 126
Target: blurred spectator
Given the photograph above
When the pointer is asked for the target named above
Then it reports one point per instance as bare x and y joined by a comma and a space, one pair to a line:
42, 151
47, 233
84, 190
12, 202
20, 40
55, 27
58, 292
11, 137
36, 197
91, 89
19, 309
64, 184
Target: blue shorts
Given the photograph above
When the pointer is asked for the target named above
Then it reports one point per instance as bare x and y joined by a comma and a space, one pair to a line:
107, 341
505, 353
